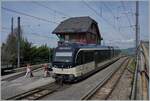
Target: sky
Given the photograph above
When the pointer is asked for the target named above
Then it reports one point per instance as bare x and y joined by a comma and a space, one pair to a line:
114, 19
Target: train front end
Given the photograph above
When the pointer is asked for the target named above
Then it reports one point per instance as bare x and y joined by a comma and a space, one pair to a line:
63, 63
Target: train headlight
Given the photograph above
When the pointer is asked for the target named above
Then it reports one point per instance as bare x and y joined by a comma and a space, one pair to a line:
71, 76
55, 66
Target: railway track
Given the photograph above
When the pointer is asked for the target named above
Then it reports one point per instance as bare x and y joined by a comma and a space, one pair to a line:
40, 92
18, 72
37, 93
101, 85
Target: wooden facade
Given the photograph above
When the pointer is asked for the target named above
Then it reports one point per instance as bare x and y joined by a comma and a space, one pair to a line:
86, 35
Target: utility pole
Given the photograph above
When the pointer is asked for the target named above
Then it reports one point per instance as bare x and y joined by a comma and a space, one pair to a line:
12, 23
137, 27
18, 46
138, 85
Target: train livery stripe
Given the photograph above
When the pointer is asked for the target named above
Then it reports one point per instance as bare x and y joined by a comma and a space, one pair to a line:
77, 70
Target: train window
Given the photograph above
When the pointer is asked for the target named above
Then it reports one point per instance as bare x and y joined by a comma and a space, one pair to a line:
102, 55
79, 59
88, 56
85, 57
63, 53
63, 57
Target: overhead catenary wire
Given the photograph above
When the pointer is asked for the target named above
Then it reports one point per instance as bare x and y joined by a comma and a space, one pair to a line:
44, 36
111, 12
131, 12
114, 15
97, 13
105, 5
56, 11
35, 34
29, 15
5, 28
129, 21
110, 24
127, 15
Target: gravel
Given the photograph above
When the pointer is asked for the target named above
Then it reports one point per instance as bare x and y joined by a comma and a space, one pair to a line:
123, 89
77, 90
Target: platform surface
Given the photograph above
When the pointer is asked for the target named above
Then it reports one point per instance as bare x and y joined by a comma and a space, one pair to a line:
23, 84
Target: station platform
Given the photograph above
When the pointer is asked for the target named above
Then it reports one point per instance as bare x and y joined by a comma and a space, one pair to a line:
23, 84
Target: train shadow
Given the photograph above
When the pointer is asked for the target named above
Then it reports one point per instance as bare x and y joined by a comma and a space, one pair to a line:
85, 77
80, 79
7, 72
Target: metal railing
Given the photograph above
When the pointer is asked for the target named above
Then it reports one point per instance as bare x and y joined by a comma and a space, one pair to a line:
140, 88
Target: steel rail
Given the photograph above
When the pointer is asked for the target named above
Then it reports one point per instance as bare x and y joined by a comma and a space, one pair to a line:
129, 68
141, 78
100, 84
126, 65
20, 72
145, 54
37, 92
134, 86
144, 72
145, 51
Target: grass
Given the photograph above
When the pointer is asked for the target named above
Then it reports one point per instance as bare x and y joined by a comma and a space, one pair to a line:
132, 65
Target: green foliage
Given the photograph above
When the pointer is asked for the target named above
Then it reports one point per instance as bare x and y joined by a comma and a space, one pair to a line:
40, 54
29, 53
25, 51
132, 65
35, 55
9, 49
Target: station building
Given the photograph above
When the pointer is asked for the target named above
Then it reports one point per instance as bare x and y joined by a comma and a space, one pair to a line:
83, 30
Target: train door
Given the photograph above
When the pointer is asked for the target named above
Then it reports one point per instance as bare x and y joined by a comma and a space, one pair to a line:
96, 58
84, 61
80, 61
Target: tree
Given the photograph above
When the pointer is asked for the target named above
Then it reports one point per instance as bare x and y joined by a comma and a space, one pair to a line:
25, 51
9, 49
28, 52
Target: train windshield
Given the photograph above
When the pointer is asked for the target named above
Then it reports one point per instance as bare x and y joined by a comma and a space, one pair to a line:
63, 56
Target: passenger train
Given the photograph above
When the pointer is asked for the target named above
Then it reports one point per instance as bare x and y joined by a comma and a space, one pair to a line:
72, 61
